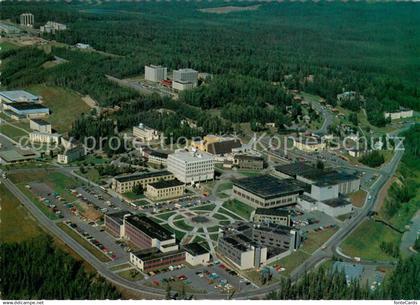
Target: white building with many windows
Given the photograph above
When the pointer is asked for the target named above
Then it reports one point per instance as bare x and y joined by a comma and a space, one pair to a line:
191, 167
155, 73
186, 75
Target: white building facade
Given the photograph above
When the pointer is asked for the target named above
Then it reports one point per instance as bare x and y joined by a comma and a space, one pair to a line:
191, 167
155, 73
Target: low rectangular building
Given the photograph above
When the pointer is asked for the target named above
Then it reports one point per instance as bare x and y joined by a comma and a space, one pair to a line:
333, 207
248, 162
71, 154
16, 96
309, 144
165, 189
266, 191
40, 125
145, 133
144, 233
152, 259
125, 183
114, 223
276, 216
347, 183
196, 254
155, 157
43, 137
27, 109
292, 170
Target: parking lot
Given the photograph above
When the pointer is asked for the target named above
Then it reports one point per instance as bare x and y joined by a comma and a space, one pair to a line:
215, 278
309, 221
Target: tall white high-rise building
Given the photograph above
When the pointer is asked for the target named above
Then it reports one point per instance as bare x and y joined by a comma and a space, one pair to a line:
185, 75
191, 167
155, 73
27, 19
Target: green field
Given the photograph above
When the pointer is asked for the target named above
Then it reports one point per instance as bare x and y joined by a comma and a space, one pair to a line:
291, 261
66, 106
364, 242
12, 132
182, 225
16, 223
239, 208
131, 275
316, 240
84, 243
207, 207
165, 216
226, 212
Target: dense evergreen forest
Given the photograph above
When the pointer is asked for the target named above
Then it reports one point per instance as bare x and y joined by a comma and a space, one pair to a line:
35, 269
327, 284
255, 56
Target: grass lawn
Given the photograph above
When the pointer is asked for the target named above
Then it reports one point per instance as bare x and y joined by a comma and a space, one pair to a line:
133, 196
12, 132
65, 105
207, 207
291, 261
226, 212
16, 223
6, 46
120, 267
182, 225
358, 198
365, 241
239, 208
131, 275
84, 243
316, 239
224, 186
165, 216
220, 216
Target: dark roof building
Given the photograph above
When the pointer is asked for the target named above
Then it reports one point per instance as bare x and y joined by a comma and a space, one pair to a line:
139, 176
223, 147
195, 249
298, 168
166, 183
149, 227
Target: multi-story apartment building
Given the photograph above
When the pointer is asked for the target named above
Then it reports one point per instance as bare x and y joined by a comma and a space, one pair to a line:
155, 73
52, 27
114, 223
191, 167
44, 137
165, 189
125, 183
266, 191
186, 75
144, 233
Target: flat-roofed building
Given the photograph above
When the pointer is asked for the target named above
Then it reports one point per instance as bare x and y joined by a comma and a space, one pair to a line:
27, 109
191, 167
182, 85
17, 155
186, 75
347, 183
126, 183
402, 113
276, 216
52, 27
250, 245
292, 170
309, 144
16, 96
155, 73
40, 125
71, 154
152, 259
196, 254
44, 137
248, 161
217, 145
144, 233
333, 207
165, 189
145, 133
155, 157
266, 191
114, 223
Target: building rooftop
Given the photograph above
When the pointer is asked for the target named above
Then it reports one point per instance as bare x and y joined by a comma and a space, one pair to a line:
26, 106
41, 122
158, 154
248, 157
138, 176
119, 216
188, 156
15, 155
166, 183
294, 169
186, 70
328, 176
268, 187
273, 212
337, 202
223, 147
19, 96
149, 227
153, 253
195, 249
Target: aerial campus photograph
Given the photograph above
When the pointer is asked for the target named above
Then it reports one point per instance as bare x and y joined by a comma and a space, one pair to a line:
209, 150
